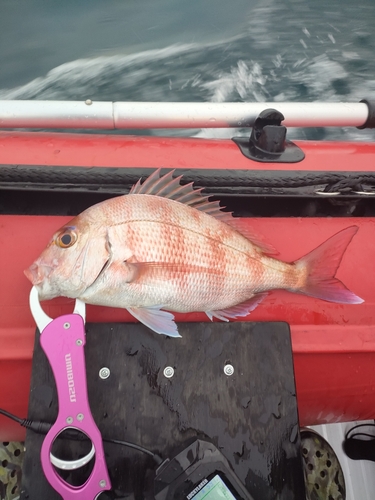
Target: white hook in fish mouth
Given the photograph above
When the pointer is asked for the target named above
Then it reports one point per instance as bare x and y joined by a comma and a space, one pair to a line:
42, 319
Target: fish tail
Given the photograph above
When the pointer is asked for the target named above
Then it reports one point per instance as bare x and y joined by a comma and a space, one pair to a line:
320, 266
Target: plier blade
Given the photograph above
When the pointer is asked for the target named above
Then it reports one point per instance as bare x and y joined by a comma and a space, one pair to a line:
42, 319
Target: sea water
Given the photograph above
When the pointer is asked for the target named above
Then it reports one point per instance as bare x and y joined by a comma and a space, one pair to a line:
198, 50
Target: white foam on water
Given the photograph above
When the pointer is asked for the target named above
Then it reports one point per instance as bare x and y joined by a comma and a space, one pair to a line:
318, 74
213, 72
243, 81
251, 82
67, 77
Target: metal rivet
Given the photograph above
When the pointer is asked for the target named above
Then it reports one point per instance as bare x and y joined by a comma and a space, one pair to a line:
228, 370
168, 372
104, 372
88, 102
103, 483
80, 417
79, 342
69, 420
66, 325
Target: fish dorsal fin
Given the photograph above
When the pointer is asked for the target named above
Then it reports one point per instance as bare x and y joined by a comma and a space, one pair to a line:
252, 236
169, 187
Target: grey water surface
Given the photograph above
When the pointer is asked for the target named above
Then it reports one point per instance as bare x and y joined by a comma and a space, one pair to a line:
197, 50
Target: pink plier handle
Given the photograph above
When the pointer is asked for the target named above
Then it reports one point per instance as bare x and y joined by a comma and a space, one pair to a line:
63, 340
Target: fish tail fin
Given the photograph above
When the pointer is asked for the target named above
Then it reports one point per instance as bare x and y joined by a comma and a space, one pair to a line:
320, 267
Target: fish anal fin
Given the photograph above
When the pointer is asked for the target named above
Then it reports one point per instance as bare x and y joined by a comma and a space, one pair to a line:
168, 187
239, 310
252, 236
156, 319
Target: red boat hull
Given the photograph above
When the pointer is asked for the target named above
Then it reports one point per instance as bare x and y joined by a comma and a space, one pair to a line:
333, 344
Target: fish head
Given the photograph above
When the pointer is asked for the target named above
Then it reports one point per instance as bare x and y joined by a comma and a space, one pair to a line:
72, 260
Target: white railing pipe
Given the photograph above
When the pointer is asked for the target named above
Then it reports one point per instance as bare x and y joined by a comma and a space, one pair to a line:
148, 115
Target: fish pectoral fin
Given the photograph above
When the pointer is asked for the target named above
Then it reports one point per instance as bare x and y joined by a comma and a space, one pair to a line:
239, 310
157, 320
132, 260
132, 270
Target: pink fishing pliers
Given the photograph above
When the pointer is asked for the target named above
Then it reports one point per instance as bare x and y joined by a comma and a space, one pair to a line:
63, 340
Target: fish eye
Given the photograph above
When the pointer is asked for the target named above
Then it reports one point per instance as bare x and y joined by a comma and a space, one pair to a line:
66, 238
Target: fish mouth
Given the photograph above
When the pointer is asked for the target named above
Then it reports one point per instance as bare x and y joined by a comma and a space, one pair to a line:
37, 273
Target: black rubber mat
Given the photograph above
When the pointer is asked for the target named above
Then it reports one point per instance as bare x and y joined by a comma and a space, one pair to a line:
250, 416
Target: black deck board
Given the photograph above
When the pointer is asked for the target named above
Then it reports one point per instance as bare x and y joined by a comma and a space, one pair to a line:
250, 416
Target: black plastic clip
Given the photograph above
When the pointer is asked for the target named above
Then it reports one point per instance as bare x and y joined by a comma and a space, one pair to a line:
370, 122
268, 142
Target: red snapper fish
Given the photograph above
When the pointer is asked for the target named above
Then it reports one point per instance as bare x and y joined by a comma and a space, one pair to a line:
166, 247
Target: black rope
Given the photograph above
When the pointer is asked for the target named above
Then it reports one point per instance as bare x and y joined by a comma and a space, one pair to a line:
122, 179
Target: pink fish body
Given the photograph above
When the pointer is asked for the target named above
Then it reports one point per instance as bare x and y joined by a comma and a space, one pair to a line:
165, 247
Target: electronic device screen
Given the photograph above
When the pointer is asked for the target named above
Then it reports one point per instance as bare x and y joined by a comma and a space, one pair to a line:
199, 472
215, 489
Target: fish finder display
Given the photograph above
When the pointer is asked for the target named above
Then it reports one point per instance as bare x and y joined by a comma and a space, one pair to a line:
199, 472
215, 489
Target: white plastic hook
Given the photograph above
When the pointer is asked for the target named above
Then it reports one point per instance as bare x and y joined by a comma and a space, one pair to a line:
41, 318
80, 308
72, 464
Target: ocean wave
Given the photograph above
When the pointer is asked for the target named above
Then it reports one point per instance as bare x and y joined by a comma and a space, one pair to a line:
214, 72
90, 75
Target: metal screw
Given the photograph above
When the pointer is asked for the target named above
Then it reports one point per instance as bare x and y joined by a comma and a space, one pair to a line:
104, 372
66, 325
168, 372
228, 370
88, 102
80, 416
103, 483
69, 420
79, 342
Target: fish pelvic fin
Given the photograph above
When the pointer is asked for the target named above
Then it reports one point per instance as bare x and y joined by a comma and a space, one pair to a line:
320, 267
157, 320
